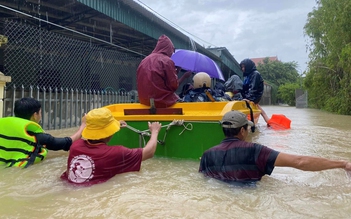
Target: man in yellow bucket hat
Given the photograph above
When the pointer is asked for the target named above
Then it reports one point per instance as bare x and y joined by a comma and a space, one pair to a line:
92, 161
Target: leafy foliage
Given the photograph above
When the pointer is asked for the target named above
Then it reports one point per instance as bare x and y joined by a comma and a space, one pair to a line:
277, 73
329, 78
286, 93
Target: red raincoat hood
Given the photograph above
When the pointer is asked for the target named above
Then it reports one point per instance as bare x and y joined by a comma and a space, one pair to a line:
164, 45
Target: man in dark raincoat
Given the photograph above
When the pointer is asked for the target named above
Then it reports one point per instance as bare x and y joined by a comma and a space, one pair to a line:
253, 81
157, 76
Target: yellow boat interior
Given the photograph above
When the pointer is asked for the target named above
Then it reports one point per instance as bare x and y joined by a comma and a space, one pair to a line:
194, 111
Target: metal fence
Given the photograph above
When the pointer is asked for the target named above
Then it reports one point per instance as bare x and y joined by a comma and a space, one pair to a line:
301, 98
267, 95
64, 108
35, 56
68, 76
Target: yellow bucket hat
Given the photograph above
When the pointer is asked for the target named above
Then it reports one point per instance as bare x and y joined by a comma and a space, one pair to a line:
100, 124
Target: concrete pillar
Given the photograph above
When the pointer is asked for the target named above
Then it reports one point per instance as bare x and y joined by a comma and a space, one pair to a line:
3, 80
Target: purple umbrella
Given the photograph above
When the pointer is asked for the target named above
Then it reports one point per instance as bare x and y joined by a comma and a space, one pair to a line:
196, 62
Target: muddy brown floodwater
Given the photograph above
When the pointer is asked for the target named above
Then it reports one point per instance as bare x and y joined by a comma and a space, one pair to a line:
173, 188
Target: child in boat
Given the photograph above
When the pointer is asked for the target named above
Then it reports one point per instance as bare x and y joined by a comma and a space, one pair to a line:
92, 161
202, 91
219, 92
233, 87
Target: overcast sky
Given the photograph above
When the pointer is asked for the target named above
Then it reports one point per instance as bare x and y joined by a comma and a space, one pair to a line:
247, 28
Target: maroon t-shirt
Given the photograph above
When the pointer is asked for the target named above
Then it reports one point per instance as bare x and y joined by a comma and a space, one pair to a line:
91, 164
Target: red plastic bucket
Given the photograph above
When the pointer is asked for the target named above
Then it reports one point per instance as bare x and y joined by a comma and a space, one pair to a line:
279, 122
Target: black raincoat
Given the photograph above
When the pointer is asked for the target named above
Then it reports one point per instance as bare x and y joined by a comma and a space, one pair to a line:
253, 82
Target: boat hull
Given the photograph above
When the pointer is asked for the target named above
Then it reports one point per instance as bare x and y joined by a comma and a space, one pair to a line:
186, 135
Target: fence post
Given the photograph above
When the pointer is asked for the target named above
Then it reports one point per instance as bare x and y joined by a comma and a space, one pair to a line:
3, 80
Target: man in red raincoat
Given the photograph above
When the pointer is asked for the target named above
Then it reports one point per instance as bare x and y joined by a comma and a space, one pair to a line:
157, 76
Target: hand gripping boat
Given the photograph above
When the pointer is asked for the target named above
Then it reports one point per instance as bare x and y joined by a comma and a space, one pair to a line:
188, 129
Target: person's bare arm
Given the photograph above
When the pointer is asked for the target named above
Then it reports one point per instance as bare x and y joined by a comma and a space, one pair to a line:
309, 163
263, 114
150, 147
123, 123
78, 134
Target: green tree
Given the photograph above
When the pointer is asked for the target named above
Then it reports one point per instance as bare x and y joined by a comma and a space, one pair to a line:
277, 73
328, 80
286, 93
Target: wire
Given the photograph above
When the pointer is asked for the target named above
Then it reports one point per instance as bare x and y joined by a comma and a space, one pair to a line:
65, 28
172, 23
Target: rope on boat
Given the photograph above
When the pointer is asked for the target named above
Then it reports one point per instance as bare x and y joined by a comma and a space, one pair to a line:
188, 127
178, 123
141, 134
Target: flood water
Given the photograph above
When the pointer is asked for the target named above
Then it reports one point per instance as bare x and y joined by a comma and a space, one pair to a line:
171, 188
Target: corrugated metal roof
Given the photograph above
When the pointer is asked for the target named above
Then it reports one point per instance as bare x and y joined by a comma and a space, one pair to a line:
120, 22
133, 15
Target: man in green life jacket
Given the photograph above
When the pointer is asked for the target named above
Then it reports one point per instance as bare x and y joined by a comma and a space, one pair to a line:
23, 141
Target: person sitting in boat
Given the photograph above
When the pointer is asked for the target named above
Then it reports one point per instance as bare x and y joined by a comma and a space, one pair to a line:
235, 160
253, 82
186, 89
157, 76
92, 161
233, 87
219, 92
23, 141
202, 91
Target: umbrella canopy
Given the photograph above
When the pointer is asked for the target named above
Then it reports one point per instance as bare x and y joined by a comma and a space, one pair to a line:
196, 62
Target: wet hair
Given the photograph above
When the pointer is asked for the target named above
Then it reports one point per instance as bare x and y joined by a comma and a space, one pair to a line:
26, 107
231, 132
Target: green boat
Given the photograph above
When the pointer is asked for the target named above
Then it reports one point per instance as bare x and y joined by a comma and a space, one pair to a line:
188, 129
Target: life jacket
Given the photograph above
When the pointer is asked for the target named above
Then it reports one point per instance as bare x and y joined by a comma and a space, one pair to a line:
17, 147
